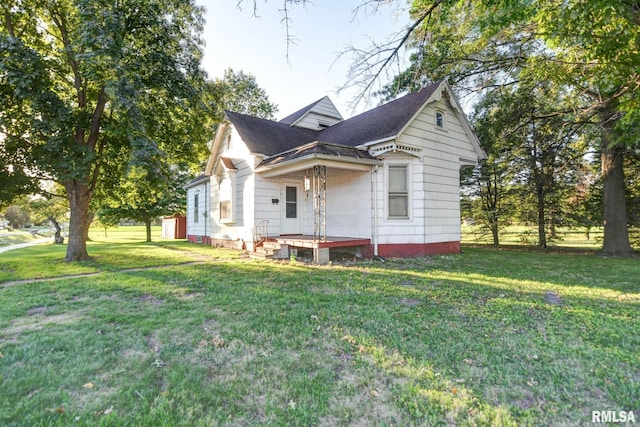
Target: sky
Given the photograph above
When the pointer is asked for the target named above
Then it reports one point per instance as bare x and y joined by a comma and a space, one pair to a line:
257, 45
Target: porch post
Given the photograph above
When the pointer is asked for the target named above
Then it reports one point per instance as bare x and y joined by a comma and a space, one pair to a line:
320, 203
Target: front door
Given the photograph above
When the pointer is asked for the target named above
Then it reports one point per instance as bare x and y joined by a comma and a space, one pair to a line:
291, 208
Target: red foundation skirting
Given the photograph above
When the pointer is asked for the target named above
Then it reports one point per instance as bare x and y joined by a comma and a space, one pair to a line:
224, 243
204, 240
403, 250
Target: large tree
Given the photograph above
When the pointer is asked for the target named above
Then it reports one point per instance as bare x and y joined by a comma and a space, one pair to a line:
587, 47
84, 82
239, 92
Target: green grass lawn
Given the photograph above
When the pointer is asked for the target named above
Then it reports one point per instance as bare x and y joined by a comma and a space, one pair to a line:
566, 237
486, 337
15, 237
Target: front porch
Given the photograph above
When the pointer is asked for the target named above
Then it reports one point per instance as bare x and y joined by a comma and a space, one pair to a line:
280, 246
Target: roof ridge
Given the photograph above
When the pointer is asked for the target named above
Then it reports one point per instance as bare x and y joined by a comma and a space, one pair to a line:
291, 118
270, 138
383, 121
403, 98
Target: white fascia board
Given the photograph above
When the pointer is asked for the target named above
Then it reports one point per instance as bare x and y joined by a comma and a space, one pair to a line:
214, 148
444, 87
377, 141
307, 162
200, 181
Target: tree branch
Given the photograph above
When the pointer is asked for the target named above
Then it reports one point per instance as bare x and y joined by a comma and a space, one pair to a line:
8, 24
380, 57
96, 119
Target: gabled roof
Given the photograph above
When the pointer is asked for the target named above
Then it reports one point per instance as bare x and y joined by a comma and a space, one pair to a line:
223, 164
382, 123
295, 116
268, 137
228, 163
385, 121
291, 119
316, 149
197, 180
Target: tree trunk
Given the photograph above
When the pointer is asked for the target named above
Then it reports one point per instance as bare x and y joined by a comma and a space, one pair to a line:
494, 234
551, 231
57, 236
90, 217
490, 203
616, 232
148, 224
542, 233
79, 198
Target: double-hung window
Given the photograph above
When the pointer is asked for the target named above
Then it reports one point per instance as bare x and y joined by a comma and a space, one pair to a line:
225, 210
225, 196
398, 192
196, 207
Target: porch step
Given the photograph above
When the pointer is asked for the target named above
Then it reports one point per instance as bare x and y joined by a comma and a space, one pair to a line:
270, 250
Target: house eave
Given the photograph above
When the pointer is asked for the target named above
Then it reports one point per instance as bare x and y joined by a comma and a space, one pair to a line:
377, 141
204, 179
303, 163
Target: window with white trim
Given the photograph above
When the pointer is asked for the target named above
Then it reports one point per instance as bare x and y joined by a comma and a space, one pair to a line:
196, 207
225, 210
225, 196
398, 191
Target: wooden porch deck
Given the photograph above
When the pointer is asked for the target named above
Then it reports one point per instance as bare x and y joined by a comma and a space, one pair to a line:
279, 246
308, 241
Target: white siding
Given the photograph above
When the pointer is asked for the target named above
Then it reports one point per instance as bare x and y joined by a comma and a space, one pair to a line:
348, 204
435, 191
323, 112
265, 191
200, 227
401, 230
242, 191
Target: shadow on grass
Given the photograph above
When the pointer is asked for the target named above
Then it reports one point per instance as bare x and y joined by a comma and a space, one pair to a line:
451, 346
464, 339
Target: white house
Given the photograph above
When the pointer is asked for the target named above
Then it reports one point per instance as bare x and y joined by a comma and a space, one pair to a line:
198, 210
383, 183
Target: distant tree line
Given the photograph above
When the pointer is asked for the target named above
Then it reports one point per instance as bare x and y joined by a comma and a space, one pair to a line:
556, 89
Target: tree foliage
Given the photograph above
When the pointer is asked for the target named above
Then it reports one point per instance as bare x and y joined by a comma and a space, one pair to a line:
17, 216
14, 180
50, 209
144, 195
87, 84
586, 50
239, 92
146, 190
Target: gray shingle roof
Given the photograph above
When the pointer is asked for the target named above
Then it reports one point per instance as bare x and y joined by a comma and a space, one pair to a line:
315, 148
271, 138
384, 121
268, 137
291, 118
197, 180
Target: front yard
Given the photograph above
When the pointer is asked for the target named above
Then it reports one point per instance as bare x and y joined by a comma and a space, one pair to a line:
207, 337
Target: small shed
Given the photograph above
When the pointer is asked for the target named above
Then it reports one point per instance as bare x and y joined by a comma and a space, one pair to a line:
174, 227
